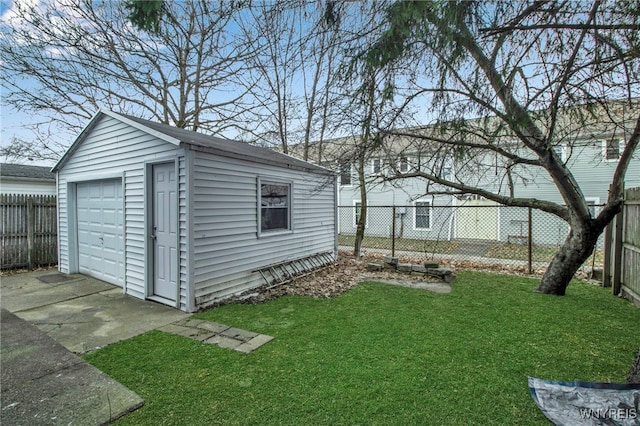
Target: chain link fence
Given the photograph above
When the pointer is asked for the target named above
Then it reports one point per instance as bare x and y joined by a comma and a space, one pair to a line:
479, 231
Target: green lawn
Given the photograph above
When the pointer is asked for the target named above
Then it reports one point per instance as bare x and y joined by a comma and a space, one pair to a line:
382, 354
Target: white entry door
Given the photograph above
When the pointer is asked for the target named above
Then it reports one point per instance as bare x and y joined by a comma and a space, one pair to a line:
165, 231
100, 230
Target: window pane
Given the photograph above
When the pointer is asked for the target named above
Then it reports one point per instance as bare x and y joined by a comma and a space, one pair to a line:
403, 164
423, 218
613, 150
274, 206
376, 166
345, 174
274, 219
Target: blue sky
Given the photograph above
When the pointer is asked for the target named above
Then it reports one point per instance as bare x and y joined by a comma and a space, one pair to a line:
14, 123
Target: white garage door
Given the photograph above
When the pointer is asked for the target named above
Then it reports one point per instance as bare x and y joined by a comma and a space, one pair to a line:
100, 230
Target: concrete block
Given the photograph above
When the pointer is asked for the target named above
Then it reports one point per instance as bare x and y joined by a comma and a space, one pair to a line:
450, 278
390, 260
254, 343
444, 271
439, 271
213, 326
418, 268
224, 342
404, 267
239, 334
431, 265
374, 267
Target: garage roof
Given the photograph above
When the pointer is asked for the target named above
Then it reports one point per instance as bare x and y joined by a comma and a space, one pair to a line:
197, 141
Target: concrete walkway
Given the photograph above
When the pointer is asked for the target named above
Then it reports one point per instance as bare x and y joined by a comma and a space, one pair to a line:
42, 383
79, 312
47, 315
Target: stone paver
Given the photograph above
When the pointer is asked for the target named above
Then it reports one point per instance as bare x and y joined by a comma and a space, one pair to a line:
239, 334
217, 334
224, 342
254, 343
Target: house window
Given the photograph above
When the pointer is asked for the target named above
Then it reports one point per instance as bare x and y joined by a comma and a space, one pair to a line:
275, 206
357, 210
612, 150
593, 205
560, 152
376, 166
422, 214
403, 164
345, 174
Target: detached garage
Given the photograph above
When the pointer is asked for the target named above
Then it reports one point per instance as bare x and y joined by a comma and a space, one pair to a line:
187, 219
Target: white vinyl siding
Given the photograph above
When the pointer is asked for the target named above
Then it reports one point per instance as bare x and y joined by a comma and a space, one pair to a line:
226, 247
16, 186
218, 235
114, 147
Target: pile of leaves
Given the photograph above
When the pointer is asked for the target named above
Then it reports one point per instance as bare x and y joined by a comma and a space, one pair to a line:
331, 280
326, 282
349, 270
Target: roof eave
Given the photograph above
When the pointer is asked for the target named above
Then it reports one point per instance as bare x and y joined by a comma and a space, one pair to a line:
312, 168
28, 179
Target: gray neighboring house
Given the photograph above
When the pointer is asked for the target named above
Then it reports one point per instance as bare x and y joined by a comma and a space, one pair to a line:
27, 180
591, 151
183, 218
592, 164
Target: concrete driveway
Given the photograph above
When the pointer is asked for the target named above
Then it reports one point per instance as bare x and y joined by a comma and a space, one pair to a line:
45, 317
79, 312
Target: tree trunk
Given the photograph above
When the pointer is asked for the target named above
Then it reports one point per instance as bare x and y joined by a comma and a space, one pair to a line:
576, 249
362, 219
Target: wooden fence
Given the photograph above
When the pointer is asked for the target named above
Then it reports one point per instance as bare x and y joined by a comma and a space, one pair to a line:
622, 254
29, 233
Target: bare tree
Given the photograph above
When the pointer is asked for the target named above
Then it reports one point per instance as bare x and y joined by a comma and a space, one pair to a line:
365, 114
542, 74
66, 59
19, 150
291, 75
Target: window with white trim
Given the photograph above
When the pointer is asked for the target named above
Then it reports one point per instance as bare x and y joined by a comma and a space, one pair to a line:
403, 164
376, 166
561, 152
422, 214
357, 209
275, 206
345, 174
612, 149
593, 205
